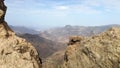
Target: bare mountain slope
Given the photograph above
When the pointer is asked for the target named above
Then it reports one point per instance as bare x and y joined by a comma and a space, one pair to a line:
100, 51
23, 30
44, 46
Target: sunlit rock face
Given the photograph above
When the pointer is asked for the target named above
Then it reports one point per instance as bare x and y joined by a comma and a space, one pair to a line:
15, 52
100, 51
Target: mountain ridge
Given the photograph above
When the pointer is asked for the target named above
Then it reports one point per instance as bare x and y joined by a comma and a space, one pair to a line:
63, 33
100, 51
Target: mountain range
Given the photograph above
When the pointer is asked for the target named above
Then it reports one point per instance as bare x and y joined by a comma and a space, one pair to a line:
23, 30
62, 34
51, 44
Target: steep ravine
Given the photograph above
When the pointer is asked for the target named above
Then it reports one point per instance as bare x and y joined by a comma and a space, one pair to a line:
15, 52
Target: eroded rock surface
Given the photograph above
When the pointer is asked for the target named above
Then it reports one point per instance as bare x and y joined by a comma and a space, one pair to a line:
101, 51
15, 52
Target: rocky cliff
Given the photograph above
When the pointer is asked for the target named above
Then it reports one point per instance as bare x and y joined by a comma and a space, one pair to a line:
15, 52
100, 51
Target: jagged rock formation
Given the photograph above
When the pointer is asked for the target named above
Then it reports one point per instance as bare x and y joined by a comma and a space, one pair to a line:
100, 51
15, 52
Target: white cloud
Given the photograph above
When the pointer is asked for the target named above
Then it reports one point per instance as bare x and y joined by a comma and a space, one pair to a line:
61, 7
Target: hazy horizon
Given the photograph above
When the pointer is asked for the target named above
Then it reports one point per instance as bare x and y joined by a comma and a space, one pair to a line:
54, 13
47, 28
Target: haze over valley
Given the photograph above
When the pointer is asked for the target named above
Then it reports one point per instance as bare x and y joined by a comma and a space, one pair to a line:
52, 43
59, 34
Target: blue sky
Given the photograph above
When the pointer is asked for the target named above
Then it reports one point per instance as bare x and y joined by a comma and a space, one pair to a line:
44, 13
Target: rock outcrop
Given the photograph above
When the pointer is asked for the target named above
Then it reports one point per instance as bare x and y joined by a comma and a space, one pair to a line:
100, 51
15, 52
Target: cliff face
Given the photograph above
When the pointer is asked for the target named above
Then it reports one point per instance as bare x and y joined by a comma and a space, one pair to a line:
101, 51
15, 52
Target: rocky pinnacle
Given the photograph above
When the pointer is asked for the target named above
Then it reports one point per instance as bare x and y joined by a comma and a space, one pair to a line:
2, 11
15, 52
